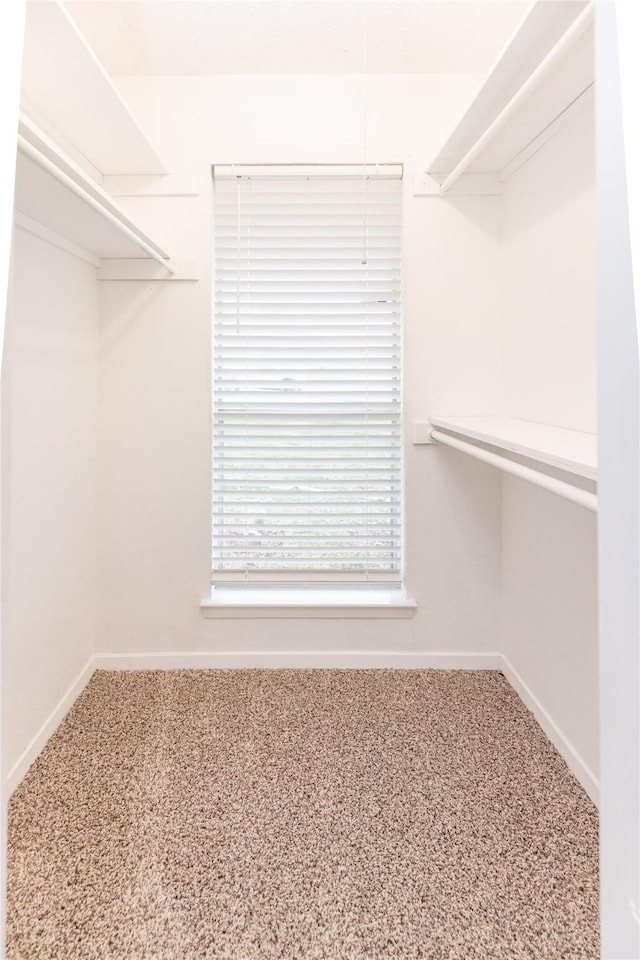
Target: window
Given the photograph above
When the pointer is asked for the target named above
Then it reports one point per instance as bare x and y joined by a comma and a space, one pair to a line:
307, 455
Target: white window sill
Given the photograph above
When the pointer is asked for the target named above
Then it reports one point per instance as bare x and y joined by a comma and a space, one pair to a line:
306, 604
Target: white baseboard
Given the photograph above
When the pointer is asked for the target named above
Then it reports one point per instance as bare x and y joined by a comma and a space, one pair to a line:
197, 660
294, 659
355, 659
566, 750
50, 725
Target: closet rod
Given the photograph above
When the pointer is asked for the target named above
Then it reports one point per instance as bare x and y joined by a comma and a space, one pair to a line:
567, 490
27, 148
575, 31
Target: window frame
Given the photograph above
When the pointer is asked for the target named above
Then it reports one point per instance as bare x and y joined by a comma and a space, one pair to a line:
342, 579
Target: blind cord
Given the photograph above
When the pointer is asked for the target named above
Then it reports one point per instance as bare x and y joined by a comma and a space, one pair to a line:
365, 107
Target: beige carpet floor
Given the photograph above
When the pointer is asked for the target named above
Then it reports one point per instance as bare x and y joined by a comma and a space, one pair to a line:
301, 815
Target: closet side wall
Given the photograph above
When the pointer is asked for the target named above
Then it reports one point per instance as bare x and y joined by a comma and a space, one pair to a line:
549, 624
49, 447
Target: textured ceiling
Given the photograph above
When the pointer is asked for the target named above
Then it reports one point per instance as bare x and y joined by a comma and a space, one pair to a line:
202, 37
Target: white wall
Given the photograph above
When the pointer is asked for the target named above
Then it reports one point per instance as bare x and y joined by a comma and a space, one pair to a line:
549, 548
49, 451
10, 60
155, 421
550, 281
619, 483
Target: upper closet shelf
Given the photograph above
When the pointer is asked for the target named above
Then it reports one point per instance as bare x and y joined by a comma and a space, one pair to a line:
54, 192
544, 73
568, 450
68, 92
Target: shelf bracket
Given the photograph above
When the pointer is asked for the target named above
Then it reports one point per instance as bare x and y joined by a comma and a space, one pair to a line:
421, 432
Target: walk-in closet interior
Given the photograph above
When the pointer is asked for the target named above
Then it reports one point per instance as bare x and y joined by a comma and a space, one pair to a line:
300, 494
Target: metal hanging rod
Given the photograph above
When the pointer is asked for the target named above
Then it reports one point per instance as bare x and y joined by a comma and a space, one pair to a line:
560, 487
76, 188
575, 31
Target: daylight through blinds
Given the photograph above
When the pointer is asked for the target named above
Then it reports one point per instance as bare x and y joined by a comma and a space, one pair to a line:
307, 376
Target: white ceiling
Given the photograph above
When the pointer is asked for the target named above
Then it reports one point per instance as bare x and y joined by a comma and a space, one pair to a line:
202, 37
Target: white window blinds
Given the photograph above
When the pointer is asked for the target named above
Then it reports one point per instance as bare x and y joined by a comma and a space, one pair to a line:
307, 458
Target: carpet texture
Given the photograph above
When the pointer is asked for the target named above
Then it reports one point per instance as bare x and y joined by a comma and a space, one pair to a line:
301, 815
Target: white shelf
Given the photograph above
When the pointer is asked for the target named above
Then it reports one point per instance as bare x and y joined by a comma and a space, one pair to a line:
568, 450
542, 104
55, 192
66, 89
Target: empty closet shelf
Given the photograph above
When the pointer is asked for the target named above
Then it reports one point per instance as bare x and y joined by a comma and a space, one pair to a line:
64, 81
570, 451
541, 76
54, 193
